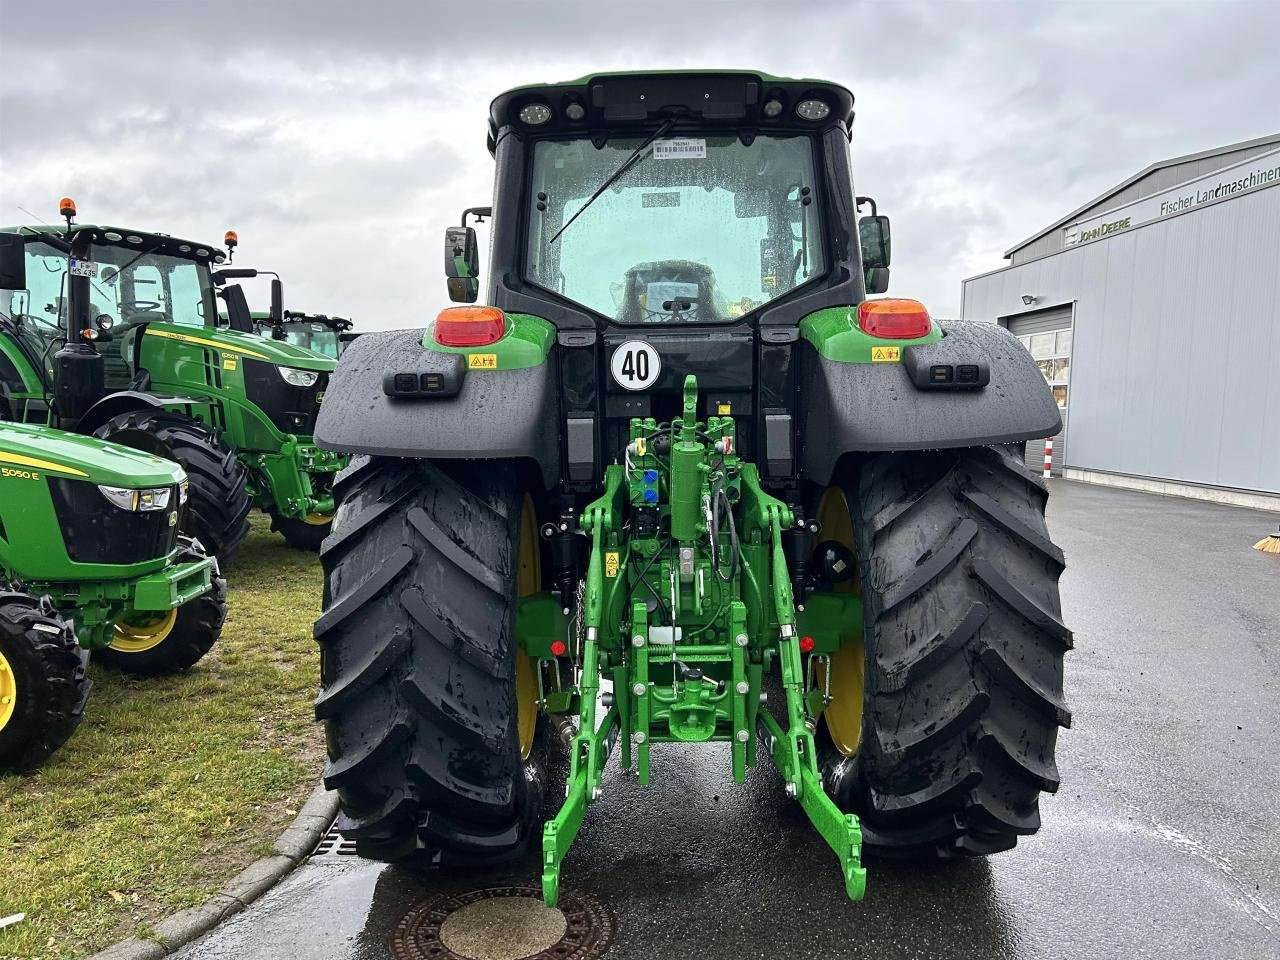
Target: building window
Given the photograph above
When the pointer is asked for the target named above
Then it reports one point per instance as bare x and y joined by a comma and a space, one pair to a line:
1052, 354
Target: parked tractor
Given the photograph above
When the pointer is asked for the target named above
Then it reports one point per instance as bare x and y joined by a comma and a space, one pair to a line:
90, 560
683, 482
115, 332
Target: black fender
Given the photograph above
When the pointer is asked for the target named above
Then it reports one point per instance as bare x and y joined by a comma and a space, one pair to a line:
483, 415
126, 401
870, 407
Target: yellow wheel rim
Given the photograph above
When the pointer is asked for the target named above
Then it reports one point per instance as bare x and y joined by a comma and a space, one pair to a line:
318, 519
528, 581
8, 692
144, 633
843, 715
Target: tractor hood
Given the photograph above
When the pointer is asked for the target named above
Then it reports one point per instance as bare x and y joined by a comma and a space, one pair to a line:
44, 450
279, 352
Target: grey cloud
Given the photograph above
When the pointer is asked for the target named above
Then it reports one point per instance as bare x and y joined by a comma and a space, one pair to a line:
339, 138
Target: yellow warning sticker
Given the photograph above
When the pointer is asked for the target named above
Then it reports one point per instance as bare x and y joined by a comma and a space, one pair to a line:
611, 563
228, 363
482, 361
886, 354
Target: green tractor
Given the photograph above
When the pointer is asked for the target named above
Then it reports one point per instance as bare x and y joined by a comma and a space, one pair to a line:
91, 559
683, 482
115, 332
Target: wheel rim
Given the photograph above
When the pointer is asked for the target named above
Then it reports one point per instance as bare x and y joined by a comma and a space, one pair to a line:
318, 519
143, 633
843, 716
8, 692
528, 581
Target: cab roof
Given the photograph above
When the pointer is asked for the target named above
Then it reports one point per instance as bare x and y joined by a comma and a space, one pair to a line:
628, 100
124, 236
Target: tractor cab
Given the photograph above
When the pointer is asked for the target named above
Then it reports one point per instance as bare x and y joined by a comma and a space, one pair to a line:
314, 331
681, 223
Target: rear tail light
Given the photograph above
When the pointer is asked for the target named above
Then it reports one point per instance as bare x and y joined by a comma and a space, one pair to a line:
469, 326
894, 319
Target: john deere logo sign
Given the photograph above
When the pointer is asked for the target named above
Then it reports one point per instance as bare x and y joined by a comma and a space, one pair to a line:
1102, 230
1255, 173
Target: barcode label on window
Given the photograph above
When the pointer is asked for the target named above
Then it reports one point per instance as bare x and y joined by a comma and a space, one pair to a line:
684, 148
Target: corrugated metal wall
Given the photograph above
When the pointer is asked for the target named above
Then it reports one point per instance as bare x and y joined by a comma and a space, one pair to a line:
1176, 363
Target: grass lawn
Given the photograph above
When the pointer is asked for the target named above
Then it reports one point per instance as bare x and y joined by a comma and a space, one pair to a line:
171, 785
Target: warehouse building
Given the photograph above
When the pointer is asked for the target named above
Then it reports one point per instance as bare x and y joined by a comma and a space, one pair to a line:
1154, 313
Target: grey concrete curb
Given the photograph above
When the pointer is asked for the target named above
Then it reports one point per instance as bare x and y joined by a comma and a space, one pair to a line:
292, 846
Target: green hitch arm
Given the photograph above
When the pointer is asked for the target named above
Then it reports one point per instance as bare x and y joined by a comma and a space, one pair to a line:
592, 745
793, 750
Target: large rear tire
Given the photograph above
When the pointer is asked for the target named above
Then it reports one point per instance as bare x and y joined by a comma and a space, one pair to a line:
149, 645
218, 506
44, 683
431, 743
964, 643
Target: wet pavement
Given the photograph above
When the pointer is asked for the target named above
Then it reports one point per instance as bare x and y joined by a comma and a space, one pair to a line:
1164, 841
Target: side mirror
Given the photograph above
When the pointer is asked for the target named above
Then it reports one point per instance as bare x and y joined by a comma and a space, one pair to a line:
877, 279
277, 300
238, 315
462, 264
873, 234
13, 262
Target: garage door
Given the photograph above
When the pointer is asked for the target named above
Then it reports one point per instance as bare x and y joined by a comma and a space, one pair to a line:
1047, 336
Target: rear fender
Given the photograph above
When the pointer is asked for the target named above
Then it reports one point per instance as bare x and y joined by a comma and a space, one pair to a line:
870, 407
482, 415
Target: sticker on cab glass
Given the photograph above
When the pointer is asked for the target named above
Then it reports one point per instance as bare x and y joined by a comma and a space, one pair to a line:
611, 563
482, 361
680, 148
635, 365
84, 268
886, 354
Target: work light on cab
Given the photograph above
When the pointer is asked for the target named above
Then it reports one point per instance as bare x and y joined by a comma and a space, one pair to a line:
894, 319
469, 326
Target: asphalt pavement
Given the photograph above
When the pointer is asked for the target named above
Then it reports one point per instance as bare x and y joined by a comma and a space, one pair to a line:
1164, 841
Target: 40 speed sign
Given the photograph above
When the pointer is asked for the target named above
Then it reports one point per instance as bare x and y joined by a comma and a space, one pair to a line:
635, 365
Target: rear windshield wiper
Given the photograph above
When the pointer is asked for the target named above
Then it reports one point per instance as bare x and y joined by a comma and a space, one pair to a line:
627, 164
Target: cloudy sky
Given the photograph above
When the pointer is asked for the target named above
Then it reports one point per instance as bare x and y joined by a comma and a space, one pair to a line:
340, 138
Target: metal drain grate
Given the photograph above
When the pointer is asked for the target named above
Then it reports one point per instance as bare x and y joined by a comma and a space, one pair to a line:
333, 844
588, 926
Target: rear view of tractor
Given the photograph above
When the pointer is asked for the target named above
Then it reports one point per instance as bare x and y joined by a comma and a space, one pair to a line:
91, 560
116, 332
683, 482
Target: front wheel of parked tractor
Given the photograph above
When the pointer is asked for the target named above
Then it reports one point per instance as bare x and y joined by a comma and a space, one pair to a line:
944, 748
148, 643
306, 533
435, 742
43, 681
218, 506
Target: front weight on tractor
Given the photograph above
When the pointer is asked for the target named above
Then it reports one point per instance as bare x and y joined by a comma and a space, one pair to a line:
680, 458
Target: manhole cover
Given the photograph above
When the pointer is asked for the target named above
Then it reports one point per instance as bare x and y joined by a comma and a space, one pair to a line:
503, 923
